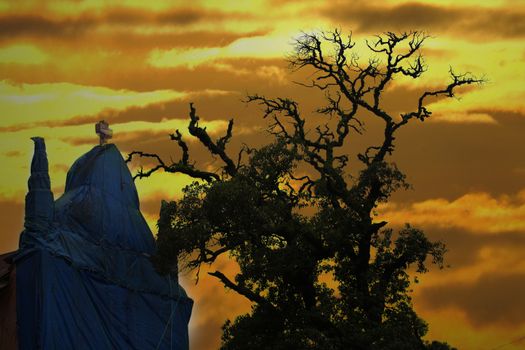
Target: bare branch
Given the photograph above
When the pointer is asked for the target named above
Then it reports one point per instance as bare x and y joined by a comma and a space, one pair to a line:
240, 289
354, 82
217, 148
208, 256
422, 112
178, 137
183, 166
244, 149
180, 167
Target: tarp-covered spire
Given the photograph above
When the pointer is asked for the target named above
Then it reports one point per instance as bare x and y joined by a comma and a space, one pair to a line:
84, 277
101, 203
39, 198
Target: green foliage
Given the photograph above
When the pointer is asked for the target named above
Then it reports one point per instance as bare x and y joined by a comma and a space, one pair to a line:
320, 270
282, 254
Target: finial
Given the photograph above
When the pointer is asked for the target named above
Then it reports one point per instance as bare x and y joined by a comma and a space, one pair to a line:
103, 131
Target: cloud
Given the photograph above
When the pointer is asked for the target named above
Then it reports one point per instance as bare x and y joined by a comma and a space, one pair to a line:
160, 144
206, 101
212, 105
136, 43
132, 73
32, 105
480, 250
124, 29
51, 25
475, 212
143, 43
508, 116
15, 25
494, 299
13, 153
269, 46
447, 160
462, 117
480, 23
62, 167
402, 97
125, 140
156, 140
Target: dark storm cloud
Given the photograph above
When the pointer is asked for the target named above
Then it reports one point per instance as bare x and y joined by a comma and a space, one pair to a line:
495, 299
469, 22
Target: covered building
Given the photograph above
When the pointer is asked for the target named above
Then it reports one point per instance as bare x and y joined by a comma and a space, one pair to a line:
84, 279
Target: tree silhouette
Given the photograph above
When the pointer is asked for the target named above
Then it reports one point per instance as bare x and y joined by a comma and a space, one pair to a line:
320, 270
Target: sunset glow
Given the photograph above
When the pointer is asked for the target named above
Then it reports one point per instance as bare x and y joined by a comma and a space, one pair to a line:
65, 65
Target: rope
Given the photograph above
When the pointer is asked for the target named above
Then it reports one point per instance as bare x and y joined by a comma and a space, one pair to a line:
169, 321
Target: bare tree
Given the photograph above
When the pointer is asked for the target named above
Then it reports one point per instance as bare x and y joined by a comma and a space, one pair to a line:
251, 210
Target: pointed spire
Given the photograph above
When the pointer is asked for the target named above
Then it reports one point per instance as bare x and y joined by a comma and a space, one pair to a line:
39, 198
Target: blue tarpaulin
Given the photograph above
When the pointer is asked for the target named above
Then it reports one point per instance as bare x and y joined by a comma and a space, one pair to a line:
84, 278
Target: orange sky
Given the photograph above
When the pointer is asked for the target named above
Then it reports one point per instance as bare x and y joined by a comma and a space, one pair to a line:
66, 64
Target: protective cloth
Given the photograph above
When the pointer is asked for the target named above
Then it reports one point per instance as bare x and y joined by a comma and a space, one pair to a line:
84, 278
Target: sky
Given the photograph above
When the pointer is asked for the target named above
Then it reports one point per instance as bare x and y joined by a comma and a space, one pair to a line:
64, 65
